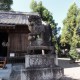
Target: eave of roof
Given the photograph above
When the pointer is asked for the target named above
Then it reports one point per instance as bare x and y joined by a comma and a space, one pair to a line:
15, 18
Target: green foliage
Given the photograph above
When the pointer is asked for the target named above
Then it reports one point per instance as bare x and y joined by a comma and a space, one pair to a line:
73, 53
44, 13
6, 4
71, 24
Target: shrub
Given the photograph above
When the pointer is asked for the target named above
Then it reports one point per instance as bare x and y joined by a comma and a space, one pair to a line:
73, 53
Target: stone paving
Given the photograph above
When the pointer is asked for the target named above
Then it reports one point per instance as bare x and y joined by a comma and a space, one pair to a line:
71, 71
16, 72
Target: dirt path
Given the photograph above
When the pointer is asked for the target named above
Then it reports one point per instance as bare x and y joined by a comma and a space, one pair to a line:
71, 71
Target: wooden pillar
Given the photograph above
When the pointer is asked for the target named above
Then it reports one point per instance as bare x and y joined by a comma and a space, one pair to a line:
8, 47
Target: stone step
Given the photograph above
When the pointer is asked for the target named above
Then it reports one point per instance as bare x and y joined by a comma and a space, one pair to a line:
5, 73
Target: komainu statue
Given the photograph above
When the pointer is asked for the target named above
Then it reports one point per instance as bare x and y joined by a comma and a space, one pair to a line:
40, 34
41, 60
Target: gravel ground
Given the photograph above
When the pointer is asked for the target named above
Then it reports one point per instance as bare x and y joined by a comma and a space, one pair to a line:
71, 70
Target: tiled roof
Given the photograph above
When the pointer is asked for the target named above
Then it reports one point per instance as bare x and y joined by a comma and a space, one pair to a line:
15, 18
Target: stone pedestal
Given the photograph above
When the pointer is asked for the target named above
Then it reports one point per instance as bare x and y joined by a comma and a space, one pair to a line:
41, 67
54, 73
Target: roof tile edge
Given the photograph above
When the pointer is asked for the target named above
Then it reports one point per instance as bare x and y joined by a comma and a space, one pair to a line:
19, 13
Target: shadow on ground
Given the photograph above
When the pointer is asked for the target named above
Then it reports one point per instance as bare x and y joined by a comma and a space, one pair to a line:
65, 63
67, 78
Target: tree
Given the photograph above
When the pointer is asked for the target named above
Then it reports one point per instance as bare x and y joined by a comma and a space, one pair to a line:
45, 15
6, 5
71, 23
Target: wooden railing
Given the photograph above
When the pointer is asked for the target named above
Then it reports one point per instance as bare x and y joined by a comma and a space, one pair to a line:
2, 62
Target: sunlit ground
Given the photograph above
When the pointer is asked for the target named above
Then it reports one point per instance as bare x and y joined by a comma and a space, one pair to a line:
71, 70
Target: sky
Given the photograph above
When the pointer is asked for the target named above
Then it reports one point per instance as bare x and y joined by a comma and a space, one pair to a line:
58, 8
